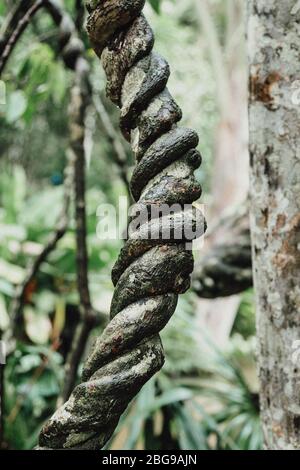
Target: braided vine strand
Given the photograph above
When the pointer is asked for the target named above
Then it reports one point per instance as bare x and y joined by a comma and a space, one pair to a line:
149, 273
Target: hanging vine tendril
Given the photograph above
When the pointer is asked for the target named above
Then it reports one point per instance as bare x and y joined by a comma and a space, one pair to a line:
150, 273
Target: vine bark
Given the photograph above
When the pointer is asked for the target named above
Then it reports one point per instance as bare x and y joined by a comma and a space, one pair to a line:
149, 274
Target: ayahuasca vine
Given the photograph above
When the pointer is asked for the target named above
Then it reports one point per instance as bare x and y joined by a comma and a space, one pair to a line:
150, 273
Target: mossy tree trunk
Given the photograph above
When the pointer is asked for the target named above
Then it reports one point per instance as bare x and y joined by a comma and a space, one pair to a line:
273, 42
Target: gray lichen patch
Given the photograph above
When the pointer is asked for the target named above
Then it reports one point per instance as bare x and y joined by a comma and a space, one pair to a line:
275, 207
157, 72
167, 149
123, 53
132, 84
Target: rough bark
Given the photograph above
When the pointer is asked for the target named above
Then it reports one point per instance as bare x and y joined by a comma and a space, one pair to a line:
273, 29
148, 276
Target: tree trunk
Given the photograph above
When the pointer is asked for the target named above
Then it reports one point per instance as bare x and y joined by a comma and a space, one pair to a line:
273, 29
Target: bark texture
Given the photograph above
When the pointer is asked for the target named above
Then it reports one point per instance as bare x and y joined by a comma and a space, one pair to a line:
149, 274
273, 29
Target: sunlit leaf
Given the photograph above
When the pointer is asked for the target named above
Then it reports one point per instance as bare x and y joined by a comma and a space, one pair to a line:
11, 272
38, 327
16, 106
6, 288
4, 318
59, 318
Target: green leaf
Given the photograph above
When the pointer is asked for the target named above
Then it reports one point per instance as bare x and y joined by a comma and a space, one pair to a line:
58, 83
6, 288
27, 363
169, 397
11, 272
16, 106
155, 5
134, 432
38, 327
4, 318
191, 435
19, 187
2, 9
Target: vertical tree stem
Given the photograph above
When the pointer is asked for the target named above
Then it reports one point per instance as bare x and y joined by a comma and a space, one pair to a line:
21, 26
273, 40
79, 102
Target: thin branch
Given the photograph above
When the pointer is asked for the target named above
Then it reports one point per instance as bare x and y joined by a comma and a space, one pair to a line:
80, 98
234, 32
1, 404
77, 141
21, 26
62, 225
79, 14
119, 153
79, 103
230, 20
216, 53
11, 21
80, 340
69, 32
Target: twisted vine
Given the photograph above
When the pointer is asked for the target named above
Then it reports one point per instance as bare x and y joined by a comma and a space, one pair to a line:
149, 274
